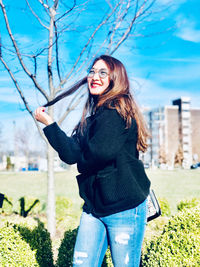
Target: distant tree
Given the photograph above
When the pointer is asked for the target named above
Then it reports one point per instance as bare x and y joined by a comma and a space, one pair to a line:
179, 157
162, 155
24, 137
9, 165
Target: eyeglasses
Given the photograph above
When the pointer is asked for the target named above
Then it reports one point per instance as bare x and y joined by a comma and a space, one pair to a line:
101, 72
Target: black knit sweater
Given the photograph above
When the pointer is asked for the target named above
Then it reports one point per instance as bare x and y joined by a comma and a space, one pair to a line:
111, 178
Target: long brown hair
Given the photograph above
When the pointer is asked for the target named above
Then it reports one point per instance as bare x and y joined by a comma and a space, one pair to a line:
116, 96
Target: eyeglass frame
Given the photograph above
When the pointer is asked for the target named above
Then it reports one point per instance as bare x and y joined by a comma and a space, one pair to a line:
91, 75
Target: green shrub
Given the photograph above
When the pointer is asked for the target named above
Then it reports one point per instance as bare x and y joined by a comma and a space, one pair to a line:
28, 205
14, 251
107, 262
65, 252
188, 203
165, 207
28, 239
63, 207
67, 216
7, 207
179, 243
39, 240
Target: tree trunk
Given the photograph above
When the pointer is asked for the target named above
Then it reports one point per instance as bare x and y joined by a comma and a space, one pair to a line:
50, 192
51, 214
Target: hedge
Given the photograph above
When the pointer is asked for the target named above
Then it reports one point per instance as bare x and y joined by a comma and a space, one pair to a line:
14, 251
25, 244
7, 207
165, 207
65, 252
24, 206
188, 203
63, 207
179, 243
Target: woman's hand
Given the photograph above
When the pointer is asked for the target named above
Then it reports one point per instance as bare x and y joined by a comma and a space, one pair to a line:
42, 116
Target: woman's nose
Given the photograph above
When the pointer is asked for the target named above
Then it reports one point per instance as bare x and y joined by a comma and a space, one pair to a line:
96, 75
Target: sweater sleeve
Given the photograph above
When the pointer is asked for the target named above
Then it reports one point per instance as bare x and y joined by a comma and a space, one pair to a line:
67, 147
105, 141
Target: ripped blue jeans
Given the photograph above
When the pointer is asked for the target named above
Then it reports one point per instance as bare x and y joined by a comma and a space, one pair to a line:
122, 231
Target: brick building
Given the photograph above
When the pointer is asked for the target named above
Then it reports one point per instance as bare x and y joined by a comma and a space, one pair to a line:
175, 134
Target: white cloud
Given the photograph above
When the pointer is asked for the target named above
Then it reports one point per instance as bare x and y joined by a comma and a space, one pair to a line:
9, 94
181, 60
149, 93
187, 30
182, 73
189, 34
164, 2
24, 39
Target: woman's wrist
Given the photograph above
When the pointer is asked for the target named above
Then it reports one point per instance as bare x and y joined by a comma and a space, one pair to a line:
48, 122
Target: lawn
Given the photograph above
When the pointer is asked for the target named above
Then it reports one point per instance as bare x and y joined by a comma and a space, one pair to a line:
174, 185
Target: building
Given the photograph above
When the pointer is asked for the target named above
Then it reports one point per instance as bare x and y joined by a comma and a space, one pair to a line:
33, 163
175, 135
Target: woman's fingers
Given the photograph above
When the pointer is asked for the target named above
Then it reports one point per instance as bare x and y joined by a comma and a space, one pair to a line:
39, 110
42, 116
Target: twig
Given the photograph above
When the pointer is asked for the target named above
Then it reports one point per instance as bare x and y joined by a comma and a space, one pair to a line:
35, 15
21, 95
32, 77
86, 45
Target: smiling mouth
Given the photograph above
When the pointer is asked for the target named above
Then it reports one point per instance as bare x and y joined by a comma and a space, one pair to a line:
95, 84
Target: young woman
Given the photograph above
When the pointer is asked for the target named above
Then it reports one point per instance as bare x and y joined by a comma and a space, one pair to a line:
112, 181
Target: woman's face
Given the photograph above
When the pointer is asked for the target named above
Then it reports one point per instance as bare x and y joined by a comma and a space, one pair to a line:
98, 78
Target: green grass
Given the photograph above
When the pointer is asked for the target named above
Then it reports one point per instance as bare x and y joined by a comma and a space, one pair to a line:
174, 185
17, 185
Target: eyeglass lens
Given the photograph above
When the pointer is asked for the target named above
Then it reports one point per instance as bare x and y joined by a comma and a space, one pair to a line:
102, 73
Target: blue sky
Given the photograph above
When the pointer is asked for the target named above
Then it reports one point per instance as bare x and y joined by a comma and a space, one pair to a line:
162, 67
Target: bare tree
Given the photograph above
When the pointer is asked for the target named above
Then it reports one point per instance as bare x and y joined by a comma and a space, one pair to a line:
162, 155
58, 22
24, 140
179, 157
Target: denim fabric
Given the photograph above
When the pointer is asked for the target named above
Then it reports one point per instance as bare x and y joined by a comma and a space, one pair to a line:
122, 231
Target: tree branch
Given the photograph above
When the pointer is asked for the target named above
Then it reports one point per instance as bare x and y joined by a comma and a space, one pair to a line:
22, 96
71, 107
57, 51
86, 45
117, 24
31, 76
67, 12
55, 5
139, 13
36, 16
50, 51
89, 61
45, 6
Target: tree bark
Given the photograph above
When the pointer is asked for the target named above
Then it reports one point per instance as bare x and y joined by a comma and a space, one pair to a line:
51, 221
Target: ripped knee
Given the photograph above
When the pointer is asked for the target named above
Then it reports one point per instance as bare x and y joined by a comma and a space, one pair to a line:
79, 257
122, 238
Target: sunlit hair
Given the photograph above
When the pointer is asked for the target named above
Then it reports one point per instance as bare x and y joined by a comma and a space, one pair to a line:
116, 96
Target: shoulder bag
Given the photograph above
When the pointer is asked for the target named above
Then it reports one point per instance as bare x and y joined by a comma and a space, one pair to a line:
154, 209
